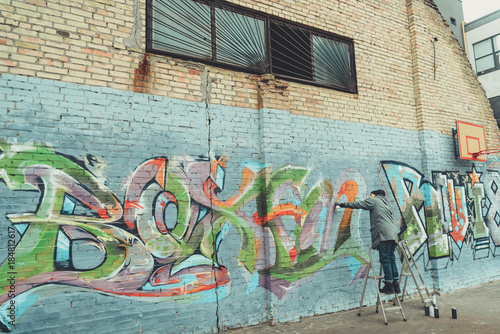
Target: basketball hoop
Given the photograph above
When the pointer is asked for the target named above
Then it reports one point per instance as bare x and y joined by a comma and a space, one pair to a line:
486, 153
470, 141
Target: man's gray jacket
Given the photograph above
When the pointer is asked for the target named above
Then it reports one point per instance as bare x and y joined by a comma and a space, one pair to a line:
382, 226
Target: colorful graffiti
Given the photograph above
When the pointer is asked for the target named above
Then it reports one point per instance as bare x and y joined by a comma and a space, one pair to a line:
452, 211
161, 242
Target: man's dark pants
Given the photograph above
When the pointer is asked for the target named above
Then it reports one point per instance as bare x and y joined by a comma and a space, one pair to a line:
387, 258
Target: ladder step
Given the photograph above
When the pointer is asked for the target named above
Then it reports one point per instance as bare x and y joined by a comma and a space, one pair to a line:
392, 308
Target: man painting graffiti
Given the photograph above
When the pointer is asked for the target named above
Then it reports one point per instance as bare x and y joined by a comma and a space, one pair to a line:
384, 235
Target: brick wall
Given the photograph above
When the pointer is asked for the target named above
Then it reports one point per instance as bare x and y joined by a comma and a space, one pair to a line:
143, 192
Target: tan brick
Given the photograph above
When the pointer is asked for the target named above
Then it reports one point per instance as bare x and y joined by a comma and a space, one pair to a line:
33, 53
93, 82
75, 67
25, 45
22, 71
46, 75
49, 13
38, 3
14, 18
8, 62
63, 27
6, 8
72, 79
79, 74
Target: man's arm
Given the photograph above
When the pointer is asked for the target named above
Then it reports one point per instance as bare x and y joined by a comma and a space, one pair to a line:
366, 204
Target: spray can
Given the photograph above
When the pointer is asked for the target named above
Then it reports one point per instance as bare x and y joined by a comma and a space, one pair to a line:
431, 310
454, 313
436, 312
427, 310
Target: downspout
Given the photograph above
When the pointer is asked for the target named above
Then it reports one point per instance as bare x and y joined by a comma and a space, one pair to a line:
465, 39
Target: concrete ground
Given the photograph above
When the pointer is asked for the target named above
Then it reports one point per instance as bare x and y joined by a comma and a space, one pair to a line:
478, 312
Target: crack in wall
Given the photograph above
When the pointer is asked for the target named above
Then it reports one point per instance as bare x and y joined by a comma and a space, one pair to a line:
135, 38
206, 89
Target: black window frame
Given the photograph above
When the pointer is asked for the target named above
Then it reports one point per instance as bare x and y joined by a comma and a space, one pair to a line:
268, 20
495, 54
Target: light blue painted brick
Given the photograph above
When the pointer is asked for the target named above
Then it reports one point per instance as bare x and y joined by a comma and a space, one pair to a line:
53, 110
92, 133
44, 88
73, 118
50, 96
22, 112
6, 90
97, 89
100, 140
71, 105
7, 105
8, 77
190, 139
73, 91
21, 78
66, 85
46, 123
17, 126
111, 91
95, 126
18, 84
28, 106
76, 99
70, 144
31, 93
119, 104
19, 98
138, 99
95, 109
38, 81
94, 96
141, 108
9, 133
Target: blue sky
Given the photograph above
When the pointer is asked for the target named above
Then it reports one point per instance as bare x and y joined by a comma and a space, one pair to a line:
474, 9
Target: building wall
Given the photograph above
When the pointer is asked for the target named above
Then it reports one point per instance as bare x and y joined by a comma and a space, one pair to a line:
453, 10
478, 31
150, 194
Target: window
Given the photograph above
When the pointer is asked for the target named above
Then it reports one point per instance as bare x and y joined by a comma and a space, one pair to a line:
486, 55
495, 104
453, 21
231, 36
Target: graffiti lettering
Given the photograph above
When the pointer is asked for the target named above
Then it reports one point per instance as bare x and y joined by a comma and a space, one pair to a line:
173, 223
452, 208
162, 241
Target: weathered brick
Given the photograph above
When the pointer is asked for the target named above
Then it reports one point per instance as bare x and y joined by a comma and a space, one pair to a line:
74, 79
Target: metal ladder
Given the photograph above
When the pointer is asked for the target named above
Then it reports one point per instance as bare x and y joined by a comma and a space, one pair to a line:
378, 279
407, 271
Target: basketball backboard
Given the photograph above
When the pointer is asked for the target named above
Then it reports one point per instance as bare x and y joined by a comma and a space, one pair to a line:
471, 140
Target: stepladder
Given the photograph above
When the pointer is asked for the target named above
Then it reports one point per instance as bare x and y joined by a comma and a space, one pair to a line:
371, 275
410, 269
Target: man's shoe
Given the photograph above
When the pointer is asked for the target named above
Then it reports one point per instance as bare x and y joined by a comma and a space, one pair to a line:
396, 287
388, 288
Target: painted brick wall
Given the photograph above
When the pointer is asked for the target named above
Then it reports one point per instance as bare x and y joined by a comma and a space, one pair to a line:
145, 193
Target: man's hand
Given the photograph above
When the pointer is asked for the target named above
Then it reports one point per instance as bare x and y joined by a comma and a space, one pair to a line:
341, 205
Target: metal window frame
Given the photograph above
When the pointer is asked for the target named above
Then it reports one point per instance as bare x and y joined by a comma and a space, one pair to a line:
493, 54
267, 18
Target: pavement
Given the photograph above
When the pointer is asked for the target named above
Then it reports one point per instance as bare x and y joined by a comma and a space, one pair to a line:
478, 312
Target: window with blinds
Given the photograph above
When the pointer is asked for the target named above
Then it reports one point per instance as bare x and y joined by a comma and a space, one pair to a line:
231, 36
